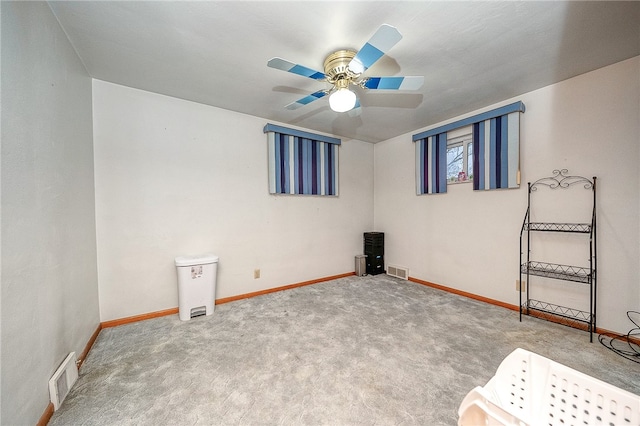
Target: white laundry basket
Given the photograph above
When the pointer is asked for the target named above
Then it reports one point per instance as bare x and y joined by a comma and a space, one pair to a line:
529, 389
196, 285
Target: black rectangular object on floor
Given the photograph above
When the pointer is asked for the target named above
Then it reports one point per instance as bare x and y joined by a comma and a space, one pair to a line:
375, 266
374, 249
374, 242
374, 237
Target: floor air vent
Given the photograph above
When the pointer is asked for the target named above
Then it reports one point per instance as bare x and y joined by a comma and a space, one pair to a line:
62, 380
398, 272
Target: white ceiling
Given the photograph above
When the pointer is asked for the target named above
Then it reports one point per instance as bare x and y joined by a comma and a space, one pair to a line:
472, 54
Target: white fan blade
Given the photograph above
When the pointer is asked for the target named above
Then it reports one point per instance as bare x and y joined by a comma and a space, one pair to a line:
284, 65
380, 43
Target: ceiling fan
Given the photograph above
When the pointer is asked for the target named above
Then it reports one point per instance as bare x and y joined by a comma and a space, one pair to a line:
343, 68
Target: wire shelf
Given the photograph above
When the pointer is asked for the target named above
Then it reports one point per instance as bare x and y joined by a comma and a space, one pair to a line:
549, 311
560, 272
581, 228
559, 180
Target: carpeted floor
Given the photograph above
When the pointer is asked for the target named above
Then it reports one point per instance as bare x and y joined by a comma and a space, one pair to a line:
354, 351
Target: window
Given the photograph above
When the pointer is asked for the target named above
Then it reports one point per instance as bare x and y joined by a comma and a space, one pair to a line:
460, 156
483, 149
301, 162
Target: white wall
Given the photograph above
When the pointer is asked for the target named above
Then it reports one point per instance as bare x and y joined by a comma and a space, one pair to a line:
175, 178
469, 240
49, 273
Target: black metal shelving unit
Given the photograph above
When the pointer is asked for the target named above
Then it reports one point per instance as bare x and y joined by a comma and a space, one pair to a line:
581, 274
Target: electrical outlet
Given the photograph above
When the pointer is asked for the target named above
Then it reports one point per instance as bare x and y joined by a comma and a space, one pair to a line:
256, 273
521, 286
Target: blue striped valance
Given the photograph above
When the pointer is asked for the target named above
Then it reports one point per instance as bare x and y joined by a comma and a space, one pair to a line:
507, 109
301, 162
300, 133
496, 151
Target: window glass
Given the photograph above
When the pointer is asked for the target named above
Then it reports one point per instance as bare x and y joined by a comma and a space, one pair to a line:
460, 156
455, 162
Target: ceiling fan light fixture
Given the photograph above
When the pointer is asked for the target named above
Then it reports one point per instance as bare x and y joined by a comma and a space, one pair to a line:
342, 100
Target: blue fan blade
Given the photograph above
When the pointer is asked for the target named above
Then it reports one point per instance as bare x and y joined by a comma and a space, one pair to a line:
394, 83
306, 100
284, 65
380, 43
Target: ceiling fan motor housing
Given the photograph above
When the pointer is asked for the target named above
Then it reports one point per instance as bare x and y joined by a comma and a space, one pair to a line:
336, 66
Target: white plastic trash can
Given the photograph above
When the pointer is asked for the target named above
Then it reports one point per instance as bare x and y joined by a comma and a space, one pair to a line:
196, 285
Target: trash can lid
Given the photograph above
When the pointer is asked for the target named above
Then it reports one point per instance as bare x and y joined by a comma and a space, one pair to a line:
202, 259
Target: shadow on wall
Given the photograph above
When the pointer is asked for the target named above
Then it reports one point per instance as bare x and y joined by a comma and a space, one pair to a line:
582, 121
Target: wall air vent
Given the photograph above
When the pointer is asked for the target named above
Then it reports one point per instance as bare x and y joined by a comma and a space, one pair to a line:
398, 271
62, 380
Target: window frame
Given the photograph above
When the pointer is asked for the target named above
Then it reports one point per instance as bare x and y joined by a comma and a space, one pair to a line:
461, 137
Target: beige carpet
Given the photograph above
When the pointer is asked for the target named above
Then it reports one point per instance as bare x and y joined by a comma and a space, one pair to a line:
354, 351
